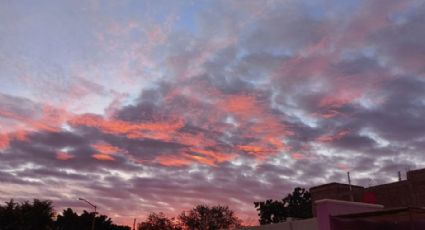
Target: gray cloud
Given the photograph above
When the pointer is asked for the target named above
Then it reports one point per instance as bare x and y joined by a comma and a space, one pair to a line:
254, 100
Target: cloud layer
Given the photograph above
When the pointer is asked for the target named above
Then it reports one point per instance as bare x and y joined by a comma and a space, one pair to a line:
144, 107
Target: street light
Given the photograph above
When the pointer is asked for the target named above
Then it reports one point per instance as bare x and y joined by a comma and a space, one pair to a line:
94, 206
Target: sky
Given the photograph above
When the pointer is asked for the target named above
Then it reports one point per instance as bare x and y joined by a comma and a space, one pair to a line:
157, 106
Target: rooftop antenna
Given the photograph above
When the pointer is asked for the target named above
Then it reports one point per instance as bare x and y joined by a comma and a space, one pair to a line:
349, 186
370, 183
407, 170
134, 224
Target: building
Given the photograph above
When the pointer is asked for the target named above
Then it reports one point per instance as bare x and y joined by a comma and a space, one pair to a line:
326, 209
404, 193
389, 219
336, 206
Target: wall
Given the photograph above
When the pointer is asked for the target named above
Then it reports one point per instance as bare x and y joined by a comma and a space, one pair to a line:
326, 208
309, 224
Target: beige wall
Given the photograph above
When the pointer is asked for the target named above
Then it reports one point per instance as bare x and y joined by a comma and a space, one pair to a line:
310, 224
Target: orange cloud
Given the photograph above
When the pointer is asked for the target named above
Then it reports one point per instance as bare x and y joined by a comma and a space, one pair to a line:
131, 130
195, 155
194, 139
250, 115
250, 148
20, 135
4, 141
297, 156
105, 152
50, 119
211, 157
201, 159
106, 149
239, 105
330, 138
274, 142
327, 114
345, 92
103, 157
64, 156
259, 152
172, 161
6, 138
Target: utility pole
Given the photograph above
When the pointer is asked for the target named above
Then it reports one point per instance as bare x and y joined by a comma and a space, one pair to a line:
349, 186
94, 206
134, 224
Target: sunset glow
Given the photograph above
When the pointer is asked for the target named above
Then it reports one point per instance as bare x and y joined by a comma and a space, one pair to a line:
156, 106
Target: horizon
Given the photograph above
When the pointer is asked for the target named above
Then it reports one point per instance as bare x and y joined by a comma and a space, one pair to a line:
142, 106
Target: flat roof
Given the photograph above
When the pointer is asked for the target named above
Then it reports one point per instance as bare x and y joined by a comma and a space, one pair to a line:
383, 212
335, 183
349, 203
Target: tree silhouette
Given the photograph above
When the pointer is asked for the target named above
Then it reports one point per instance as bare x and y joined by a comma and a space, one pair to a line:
203, 217
158, 221
37, 215
9, 215
69, 220
299, 204
296, 205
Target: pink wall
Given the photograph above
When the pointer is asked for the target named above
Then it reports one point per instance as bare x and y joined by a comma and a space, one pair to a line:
328, 207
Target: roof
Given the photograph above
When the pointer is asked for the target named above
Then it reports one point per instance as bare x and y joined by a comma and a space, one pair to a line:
335, 183
386, 213
349, 203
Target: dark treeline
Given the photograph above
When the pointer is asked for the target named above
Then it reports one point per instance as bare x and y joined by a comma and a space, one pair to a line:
39, 215
201, 217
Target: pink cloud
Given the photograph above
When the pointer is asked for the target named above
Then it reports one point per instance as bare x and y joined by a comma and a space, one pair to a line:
64, 156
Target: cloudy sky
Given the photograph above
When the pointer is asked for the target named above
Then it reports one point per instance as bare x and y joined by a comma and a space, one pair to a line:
142, 106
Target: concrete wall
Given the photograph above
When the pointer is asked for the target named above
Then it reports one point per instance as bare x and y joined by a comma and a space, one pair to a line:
335, 191
309, 224
326, 208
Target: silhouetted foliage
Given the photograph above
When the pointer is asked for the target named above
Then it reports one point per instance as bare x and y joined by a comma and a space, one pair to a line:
37, 215
297, 205
158, 221
203, 217
69, 220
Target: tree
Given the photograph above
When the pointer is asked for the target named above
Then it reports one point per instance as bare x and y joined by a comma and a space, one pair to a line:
296, 205
69, 220
299, 204
37, 215
158, 221
9, 215
203, 217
